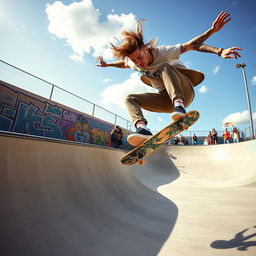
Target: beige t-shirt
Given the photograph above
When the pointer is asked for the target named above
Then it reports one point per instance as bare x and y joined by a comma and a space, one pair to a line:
162, 54
235, 135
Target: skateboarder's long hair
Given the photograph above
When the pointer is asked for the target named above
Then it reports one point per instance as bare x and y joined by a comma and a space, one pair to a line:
131, 42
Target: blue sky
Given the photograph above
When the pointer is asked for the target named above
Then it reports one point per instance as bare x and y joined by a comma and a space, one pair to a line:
59, 42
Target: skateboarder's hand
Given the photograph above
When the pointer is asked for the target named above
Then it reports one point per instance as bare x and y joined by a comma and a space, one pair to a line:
101, 62
220, 21
230, 53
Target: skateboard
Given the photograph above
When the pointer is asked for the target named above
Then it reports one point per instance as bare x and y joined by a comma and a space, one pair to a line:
151, 144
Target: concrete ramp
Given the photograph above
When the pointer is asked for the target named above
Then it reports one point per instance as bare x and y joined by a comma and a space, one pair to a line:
63, 199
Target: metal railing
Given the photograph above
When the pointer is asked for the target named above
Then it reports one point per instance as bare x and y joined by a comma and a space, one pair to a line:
27, 81
246, 133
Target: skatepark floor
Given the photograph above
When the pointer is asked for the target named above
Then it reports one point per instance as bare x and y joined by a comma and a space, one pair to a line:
67, 199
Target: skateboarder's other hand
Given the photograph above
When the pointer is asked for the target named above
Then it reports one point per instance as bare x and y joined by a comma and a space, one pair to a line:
101, 62
230, 53
220, 21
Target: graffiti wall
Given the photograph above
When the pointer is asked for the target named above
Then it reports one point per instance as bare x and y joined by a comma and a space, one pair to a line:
27, 113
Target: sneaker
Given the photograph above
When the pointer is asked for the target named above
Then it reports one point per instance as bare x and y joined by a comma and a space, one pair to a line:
138, 137
178, 112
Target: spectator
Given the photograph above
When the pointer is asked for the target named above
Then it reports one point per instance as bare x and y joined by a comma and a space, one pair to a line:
209, 138
226, 136
120, 135
235, 135
214, 136
116, 137
194, 139
176, 141
182, 140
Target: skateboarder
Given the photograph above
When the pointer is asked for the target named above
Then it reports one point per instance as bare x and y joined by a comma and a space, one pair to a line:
161, 68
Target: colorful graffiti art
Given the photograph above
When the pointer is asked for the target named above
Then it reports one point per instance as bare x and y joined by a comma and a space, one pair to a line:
24, 112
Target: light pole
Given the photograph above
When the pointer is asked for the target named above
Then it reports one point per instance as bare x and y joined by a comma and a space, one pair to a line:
248, 97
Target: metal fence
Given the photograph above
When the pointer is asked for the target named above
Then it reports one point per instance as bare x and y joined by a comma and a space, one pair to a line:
247, 133
27, 81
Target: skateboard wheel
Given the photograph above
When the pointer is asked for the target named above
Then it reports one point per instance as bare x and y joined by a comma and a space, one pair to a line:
141, 162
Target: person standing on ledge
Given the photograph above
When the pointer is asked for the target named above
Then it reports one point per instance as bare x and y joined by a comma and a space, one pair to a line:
161, 68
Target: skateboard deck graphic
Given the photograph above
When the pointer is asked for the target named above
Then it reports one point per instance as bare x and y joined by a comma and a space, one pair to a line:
154, 142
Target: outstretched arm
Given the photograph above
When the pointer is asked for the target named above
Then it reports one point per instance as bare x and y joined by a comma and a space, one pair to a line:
196, 43
102, 63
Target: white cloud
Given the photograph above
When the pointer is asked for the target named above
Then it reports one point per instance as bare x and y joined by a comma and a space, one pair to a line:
79, 25
115, 94
216, 69
203, 89
254, 80
239, 118
76, 58
106, 80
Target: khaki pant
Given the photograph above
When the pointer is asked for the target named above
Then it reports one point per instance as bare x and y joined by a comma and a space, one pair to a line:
175, 84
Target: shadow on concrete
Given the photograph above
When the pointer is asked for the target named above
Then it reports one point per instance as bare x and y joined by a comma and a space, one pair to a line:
240, 241
159, 170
